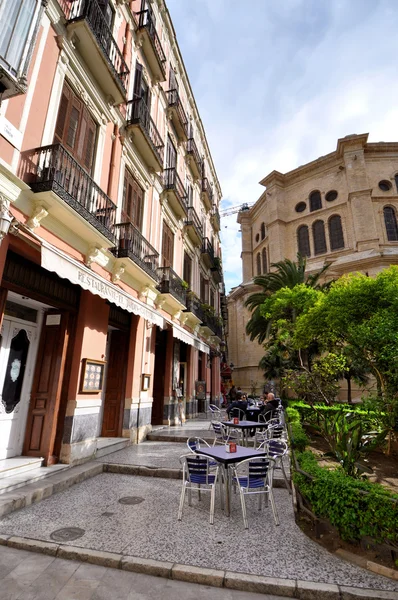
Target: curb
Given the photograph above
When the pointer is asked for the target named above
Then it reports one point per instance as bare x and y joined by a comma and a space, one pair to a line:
291, 588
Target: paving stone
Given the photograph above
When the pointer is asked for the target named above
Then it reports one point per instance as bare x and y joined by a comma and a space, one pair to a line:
351, 593
308, 590
260, 585
198, 575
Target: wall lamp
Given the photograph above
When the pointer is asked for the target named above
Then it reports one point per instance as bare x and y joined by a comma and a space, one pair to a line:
5, 221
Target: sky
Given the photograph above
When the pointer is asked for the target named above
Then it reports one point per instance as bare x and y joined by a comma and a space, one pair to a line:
277, 82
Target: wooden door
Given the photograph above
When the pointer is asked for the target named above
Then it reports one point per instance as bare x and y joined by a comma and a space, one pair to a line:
115, 385
159, 377
42, 422
167, 246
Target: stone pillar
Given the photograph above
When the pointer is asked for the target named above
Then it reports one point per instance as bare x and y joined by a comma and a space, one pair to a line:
169, 413
216, 380
247, 246
83, 410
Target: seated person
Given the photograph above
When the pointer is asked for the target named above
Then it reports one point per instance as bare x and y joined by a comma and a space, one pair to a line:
240, 403
269, 407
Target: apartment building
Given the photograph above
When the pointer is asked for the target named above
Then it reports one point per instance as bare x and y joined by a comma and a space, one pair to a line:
340, 209
110, 258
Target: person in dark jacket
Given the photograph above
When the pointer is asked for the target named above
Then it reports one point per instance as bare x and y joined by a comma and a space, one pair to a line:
270, 406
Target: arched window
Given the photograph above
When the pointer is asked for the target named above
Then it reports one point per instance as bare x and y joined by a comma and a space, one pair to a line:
318, 234
265, 265
259, 264
262, 231
303, 241
336, 237
396, 181
390, 220
315, 201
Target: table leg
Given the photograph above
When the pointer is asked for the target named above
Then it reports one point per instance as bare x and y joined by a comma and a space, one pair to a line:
227, 490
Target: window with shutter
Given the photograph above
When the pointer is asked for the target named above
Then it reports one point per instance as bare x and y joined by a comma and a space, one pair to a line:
212, 297
390, 221
204, 289
265, 264
303, 241
187, 275
318, 233
167, 246
336, 236
133, 201
258, 260
171, 155
75, 128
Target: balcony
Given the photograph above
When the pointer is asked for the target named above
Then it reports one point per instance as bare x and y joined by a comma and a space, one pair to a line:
216, 270
215, 218
208, 253
211, 325
69, 192
130, 243
177, 115
193, 157
194, 307
175, 192
151, 45
87, 25
172, 287
194, 226
207, 193
146, 136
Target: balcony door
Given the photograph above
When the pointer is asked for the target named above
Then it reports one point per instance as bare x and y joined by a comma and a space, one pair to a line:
167, 246
171, 155
187, 276
75, 128
133, 201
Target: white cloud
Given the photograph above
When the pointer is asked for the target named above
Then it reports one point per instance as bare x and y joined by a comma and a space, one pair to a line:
278, 83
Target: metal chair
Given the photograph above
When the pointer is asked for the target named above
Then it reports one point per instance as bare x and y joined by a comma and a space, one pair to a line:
223, 435
198, 474
194, 443
276, 430
216, 414
237, 412
254, 476
277, 449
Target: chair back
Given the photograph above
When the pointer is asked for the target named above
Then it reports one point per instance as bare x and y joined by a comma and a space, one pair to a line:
218, 428
194, 443
274, 447
276, 431
237, 412
197, 469
257, 472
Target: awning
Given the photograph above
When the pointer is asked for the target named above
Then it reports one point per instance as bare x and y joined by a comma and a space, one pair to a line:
184, 336
66, 267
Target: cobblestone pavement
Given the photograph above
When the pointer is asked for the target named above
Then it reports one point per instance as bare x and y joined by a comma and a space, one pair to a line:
148, 454
30, 576
148, 528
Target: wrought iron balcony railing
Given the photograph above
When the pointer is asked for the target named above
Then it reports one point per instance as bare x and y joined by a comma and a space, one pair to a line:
194, 221
170, 283
130, 243
92, 13
138, 114
206, 188
52, 168
194, 305
216, 270
192, 150
208, 249
174, 101
145, 20
172, 181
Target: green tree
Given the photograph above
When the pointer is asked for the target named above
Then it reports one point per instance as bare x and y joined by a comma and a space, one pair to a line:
287, 274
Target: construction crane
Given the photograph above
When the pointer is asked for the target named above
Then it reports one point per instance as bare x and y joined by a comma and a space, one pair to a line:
232, 210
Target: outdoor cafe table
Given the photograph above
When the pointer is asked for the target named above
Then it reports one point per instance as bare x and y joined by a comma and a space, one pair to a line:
252, 413
245, 426
225, 458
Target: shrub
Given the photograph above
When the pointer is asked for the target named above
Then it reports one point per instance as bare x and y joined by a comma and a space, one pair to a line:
310, 413
293, 415
355, 507
298, 439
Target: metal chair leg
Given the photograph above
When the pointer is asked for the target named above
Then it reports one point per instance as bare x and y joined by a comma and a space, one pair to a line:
212, 502
182, 498
285, 477
221, 484
199, 496
189, 495
273, 505
242, 501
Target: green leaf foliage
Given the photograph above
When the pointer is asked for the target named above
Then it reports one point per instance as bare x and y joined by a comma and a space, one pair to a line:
356, 508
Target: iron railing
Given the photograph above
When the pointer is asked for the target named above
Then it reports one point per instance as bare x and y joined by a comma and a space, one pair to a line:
172, 181
216, 216
130, 243
216, 269
206, 188
138, 114
207, 248
193, 219
192, 150
52, 168
174, 100
145, 20
194, 305
170, 283
91, 11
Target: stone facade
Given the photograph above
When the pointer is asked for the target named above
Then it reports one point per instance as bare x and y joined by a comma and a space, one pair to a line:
341, 209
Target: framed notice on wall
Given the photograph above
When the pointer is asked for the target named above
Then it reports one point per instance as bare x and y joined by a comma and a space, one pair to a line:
92, 375
200, 390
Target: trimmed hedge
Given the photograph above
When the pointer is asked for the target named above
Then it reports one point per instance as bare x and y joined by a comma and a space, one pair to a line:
298, 438
309, 414
355, 507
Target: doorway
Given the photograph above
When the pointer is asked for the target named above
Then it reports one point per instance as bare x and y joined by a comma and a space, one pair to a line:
159, 377
115, 385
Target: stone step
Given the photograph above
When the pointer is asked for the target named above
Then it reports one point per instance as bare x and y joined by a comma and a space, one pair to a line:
20, 479
19, 464
109, 445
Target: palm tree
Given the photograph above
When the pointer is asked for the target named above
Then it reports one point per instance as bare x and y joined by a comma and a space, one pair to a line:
287, 274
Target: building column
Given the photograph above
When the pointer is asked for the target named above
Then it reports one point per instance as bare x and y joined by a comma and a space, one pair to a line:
192, 403
216, 380
169, 412
83, 410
